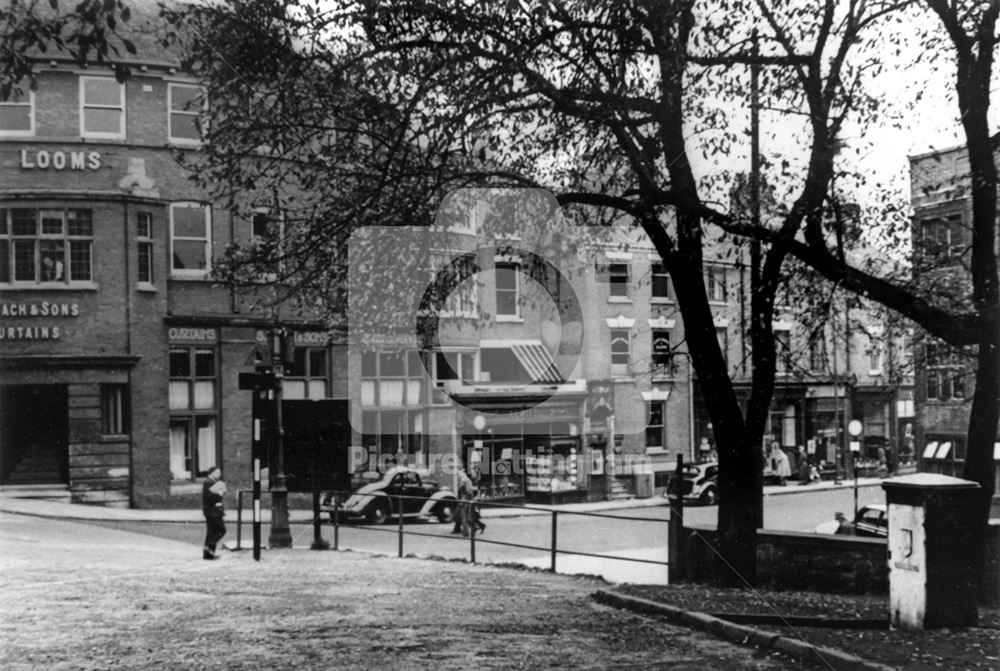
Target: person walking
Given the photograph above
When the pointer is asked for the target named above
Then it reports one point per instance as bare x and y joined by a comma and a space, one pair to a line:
212, 492
463, 511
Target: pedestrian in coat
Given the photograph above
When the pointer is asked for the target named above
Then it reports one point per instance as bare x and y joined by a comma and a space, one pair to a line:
463, 511
212, 492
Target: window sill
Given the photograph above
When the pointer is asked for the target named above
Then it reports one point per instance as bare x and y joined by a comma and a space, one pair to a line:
181, 487
146, 287
81, 286
204, 277
657, 451
619, 299
661, 300
511, 319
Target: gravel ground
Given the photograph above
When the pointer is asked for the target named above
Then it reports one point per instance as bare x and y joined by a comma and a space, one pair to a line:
82, 597
953, 649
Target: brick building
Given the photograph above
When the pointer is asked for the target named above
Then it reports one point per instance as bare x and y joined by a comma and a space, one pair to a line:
942, 239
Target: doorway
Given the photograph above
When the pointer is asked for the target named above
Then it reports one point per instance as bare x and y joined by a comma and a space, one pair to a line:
34, 435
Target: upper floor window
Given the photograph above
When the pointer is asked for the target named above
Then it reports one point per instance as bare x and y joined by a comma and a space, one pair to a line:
715, 284
190, 239
946, 372
144, 238
661, 285
618, 280
620, 351
50, 246
185, 102
102, 108
17, 115
662, 354
945, 236
875, 358
783, 350
817, 353
507, 290
655, 423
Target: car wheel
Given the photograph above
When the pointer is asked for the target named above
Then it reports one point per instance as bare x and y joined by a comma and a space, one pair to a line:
710, 496
445, 512
378, 512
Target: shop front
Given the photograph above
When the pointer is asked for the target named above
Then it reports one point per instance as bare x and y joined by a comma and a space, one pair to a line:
524, 448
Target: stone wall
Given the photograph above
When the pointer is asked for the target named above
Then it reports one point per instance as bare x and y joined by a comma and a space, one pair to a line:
823, 563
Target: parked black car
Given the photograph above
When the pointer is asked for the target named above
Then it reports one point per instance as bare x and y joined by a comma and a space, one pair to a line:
699, 482
376, 502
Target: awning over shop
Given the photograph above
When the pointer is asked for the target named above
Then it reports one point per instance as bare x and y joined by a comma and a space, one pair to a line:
532, 356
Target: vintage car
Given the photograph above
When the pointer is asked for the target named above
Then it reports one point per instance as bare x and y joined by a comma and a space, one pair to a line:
700, 483
399, 487
872, 521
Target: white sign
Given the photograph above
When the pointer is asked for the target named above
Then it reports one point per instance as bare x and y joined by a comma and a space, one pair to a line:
60, 160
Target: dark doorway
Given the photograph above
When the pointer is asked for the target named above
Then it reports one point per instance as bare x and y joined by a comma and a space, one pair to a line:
34, 435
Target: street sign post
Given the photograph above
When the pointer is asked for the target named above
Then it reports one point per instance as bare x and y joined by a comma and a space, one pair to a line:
262, 383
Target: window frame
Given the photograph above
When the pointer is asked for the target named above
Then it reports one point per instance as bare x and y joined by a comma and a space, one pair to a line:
659, 270
660, 430
115, 413
144, 243
309, 376
76, 249
30, 104
191, 414
84, 106
515, 269
715, 285
197, 273
197, 114
619, 278
617, 335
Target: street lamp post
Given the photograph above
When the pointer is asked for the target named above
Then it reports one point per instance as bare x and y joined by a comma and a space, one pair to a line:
280, 536
854, 428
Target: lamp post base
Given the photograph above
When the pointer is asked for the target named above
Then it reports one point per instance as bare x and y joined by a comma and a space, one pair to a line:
280, 535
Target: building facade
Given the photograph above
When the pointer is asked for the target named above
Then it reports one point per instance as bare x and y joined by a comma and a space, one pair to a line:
942, 240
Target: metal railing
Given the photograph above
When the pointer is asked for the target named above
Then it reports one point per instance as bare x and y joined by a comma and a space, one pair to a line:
473, 539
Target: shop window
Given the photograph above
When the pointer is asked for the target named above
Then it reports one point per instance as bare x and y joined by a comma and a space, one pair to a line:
50, 246
193, 410
662, 288
114, 409
391, 435
655, 423
102, 108
144, 238
190, 239
507, 288
17, 115
186, 105
306, 375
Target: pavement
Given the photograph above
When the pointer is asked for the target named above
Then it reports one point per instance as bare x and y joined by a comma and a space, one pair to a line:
35, 502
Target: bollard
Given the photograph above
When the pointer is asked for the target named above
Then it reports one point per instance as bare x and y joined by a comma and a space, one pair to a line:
555, 517
399, 512
336, 522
